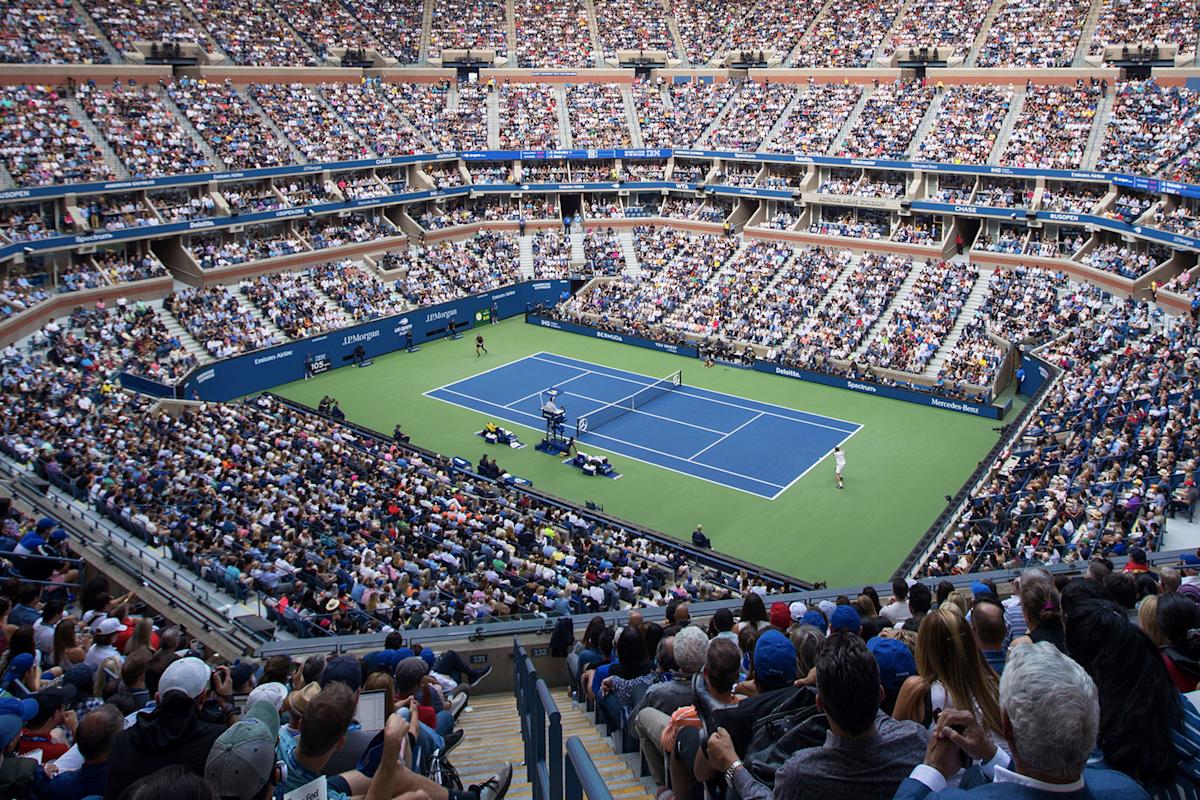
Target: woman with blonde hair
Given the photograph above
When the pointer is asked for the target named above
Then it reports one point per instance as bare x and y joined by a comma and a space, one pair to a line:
952, 673
142, 637
1148, 620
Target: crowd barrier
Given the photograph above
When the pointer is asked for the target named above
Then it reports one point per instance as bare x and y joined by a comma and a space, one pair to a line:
1140, 183
988, 410
262, 369
582, 777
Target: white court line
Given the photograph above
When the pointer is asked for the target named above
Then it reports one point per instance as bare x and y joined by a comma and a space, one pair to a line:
582, 374
604, 403
685, 387
816, 463
615, 452
486, 371
694, 456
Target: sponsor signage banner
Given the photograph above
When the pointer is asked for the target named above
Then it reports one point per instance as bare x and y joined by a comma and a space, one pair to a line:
263, 369
637, 341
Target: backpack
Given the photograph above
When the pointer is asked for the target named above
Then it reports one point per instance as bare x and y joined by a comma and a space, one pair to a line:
794, 724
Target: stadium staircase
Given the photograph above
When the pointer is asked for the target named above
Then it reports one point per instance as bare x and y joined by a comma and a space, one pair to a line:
984, 29
879, 56
426, 26
493, 734
901, 295
113, 54
1095, 142
594, 33
784, 120
851, 119
578, 254
493, 120
1010, 121
526, 243
89, 127
564, 117
965, 317
633, 267
673, 27
186, 125
176, 329
812, 26
510, 26
6, 178
927, 123
631, 117
1089, 32
717, 122
834, 288
296, 156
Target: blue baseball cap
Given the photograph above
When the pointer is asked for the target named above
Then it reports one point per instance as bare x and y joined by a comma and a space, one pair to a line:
46, 522
895, 660
10, 726
26, 709
774, 657
814, 618
18, 666
428, 656
979, 587
1190, 560
343, 669
845, 618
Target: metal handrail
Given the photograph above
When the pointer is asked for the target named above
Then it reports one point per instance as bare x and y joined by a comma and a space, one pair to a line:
541, 728
582, 779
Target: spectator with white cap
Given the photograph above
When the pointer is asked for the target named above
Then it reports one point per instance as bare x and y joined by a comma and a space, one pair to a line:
102, 644
173, 733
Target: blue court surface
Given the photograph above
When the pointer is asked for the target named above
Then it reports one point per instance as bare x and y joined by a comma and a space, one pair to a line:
743, 444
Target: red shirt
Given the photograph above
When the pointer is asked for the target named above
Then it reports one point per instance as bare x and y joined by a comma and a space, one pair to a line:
29, 742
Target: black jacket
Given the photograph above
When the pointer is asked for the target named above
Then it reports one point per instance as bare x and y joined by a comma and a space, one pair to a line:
171, 734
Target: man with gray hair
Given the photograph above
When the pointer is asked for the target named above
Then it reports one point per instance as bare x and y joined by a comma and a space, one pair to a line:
652, 715
1050, 712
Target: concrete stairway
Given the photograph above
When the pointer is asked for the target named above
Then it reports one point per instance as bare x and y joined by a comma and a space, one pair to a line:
717, 121
493, 734
781, 124
526, 243
926, 124
510, 26
965, 317
1006, 129
1095, 142
878, 55
213, 159
89, 127
297, 156
578, 255
984, 29
493, 120
426, 25
6, 178
1089, 32
901, 295
851, 120
631, 117
834, 289
633, 267
564, 117
594, 33
676, 37
113, 54
176, 329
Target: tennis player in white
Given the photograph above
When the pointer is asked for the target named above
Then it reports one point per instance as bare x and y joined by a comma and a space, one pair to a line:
839, 465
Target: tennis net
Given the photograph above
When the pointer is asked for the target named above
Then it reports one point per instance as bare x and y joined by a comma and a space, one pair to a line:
606, 414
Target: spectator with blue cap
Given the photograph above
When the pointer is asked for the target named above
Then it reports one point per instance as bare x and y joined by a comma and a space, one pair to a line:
16, 774
845, 619
896, 665
774, 661
866, 754
22, 677
816, 619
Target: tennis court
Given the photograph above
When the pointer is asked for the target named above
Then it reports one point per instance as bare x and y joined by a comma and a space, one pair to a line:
755, 447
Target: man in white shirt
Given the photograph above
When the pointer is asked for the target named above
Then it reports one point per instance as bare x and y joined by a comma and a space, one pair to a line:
43, 629
102, 647
839, 465
897, 610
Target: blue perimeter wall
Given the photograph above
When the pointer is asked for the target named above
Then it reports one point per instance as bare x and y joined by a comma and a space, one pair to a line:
863, 387
264, 369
